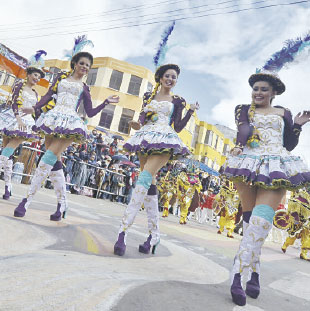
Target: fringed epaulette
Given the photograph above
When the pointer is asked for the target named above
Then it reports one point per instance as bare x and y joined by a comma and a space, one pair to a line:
50, 105
239, 110
146, 97
179, 100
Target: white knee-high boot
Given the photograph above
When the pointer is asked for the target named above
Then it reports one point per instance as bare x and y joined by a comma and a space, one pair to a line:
41, 173
58, 180
137, 199
249, 252
7, 171
151, 206
3, 160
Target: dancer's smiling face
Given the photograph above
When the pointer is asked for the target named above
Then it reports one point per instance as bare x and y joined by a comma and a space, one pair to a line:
34, 77
82, 66
262, 93
169, 78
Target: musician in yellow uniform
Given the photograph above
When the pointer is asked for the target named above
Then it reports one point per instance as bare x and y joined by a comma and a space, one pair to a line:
226, 206
296, 221
168, 191
188, 185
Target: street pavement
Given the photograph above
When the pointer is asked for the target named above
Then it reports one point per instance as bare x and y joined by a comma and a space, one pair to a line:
70, 265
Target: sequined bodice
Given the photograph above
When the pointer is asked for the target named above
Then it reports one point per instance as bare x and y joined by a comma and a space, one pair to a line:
163, 109
29, 99
68, 93
270, 129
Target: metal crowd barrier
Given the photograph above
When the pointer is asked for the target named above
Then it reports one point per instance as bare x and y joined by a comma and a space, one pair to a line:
70, 184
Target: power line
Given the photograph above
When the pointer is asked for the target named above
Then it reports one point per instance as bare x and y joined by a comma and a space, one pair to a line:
103, 13
130, 25
155, 14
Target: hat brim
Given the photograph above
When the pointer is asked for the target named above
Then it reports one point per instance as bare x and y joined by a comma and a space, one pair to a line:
162, 69
277, 84
32, 69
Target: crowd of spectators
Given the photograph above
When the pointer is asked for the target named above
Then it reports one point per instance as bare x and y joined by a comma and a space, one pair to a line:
97, 169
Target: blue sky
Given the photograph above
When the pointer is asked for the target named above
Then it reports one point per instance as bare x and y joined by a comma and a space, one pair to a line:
216, 54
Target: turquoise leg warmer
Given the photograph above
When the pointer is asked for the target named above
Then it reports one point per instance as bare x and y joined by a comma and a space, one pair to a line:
7, 151
145, 179
49, 158
264, 211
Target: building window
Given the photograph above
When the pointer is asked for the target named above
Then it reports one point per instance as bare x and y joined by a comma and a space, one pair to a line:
7, 79
195, 136
48, 76
116, 80
208, 138
226, 149
192, 124
216, 142
107, 116
1, 74
149, 87
127, 116
92, 76
53, 72
134, 85
220, 145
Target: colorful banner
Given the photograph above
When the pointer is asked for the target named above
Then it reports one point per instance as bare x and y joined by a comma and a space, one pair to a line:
16, 64
12, 56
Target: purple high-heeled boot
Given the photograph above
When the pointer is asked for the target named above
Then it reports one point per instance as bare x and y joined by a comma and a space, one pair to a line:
237, 293
120, 246
7, 193
146, 246
252, 286
20, 210
57, 215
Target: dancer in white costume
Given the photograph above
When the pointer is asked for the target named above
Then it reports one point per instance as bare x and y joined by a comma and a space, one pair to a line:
262, 169
155, 142
61, 125
16, 127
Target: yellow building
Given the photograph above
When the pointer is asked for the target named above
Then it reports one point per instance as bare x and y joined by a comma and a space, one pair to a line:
207, 142
109, 76
6, 82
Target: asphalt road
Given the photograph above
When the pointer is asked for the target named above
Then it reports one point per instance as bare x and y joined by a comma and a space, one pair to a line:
70, 265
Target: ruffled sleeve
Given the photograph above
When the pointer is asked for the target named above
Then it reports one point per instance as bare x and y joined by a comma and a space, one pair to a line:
88, 106
176, 118
291, 131
244, 129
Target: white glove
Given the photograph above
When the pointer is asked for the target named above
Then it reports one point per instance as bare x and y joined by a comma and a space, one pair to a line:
194, 106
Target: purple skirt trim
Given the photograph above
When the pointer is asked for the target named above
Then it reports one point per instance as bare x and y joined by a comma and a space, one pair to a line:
60, 131
18, 133
146, 147
296, 181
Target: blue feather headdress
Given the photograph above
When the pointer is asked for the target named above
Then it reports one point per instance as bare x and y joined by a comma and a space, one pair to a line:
162, 50
37, 60
291, 52
79, 44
